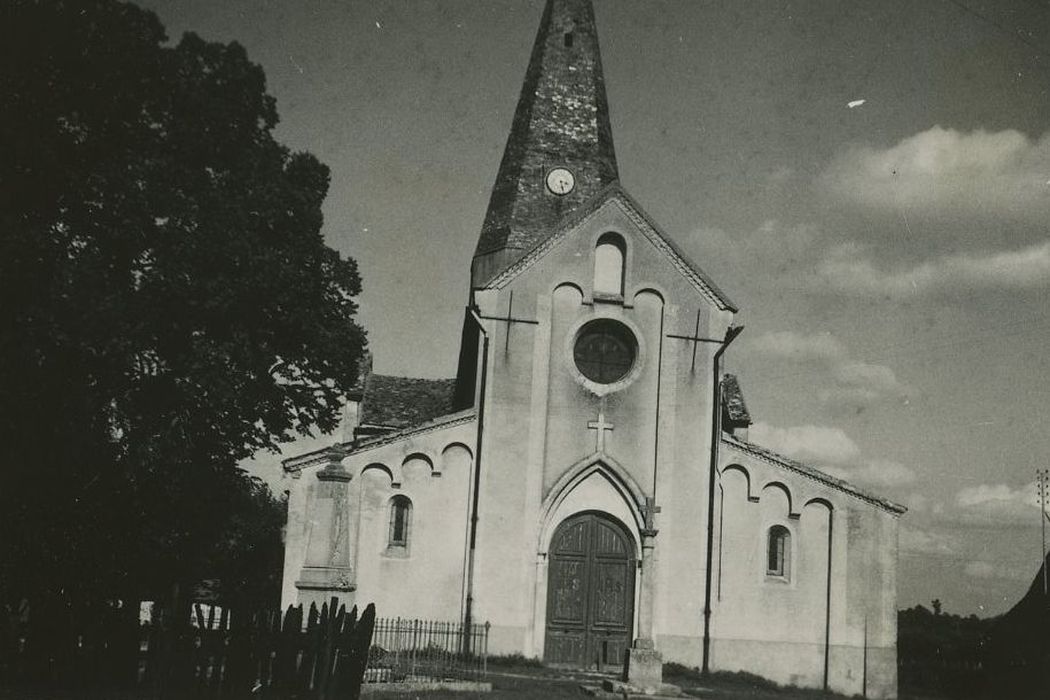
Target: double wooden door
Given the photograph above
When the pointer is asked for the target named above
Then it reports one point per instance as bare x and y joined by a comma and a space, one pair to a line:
590, 593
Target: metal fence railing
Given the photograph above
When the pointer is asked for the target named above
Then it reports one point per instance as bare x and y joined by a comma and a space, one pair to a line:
427, 650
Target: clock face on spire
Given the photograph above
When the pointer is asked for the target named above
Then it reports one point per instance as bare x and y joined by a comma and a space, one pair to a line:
560, 181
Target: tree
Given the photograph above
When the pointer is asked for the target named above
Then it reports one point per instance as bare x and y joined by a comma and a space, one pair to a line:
247, 556
167, 303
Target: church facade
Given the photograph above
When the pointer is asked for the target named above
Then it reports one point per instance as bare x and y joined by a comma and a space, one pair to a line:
585, 483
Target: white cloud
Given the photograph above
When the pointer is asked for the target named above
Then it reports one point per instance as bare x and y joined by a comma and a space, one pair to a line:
980, 569
997, 505
848, 269
913, 539
987, 570
918, 503
946, 171
855, 373
774, 253
817, 443
882, 472
833, 451
854, 384
876, 473
985, 493
796, 346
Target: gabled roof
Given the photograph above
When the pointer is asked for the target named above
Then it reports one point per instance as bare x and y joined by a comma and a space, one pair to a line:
805, 470
400, 402
661, 241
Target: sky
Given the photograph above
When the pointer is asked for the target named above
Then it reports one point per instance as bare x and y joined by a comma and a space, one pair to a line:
869, 181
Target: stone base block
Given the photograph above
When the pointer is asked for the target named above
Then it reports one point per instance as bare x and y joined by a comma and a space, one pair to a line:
643, 669
620, 689
326, 578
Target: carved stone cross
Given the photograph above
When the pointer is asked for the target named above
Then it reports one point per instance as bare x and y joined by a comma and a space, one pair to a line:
649, 511
601, 426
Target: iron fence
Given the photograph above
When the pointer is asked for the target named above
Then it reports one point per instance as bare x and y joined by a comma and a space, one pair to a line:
413, 651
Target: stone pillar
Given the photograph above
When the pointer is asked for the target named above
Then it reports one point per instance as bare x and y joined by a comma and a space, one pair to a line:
327, 571
644, 668
647, 584
535, 638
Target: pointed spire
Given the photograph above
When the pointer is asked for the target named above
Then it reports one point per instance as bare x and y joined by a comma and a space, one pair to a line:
562, 121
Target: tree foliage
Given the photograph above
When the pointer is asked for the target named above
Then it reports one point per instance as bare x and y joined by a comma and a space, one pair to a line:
167, 303
942, 654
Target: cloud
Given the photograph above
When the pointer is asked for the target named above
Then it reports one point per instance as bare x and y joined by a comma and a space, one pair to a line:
882, 472
877, 473
997, 505
918, 503
979, 495
946, 171
795, 346
853, 384
806, 442
848, 269
988, 570
774, 254
913, 539
980, 569
833, 451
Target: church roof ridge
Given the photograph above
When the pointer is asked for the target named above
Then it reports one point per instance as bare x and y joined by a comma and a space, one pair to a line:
615, 192
813, 473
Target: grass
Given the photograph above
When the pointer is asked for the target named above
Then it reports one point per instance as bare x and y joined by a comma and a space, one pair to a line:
738, 684
519, 678
507, 662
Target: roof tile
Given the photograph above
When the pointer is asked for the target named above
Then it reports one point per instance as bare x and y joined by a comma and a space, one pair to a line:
400, 402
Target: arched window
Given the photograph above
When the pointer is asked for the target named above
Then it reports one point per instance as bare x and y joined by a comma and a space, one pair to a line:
400, 521
779, 552
609, 257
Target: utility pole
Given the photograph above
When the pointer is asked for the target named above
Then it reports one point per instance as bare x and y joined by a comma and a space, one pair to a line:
1043, 487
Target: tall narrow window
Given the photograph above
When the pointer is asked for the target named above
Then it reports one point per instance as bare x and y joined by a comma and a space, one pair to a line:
400, 521
779, 551
609, 264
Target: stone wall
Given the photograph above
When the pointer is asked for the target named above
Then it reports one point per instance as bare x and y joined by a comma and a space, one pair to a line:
780, 627
425, 578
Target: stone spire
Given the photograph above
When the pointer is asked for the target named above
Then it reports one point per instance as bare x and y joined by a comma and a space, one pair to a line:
562, 121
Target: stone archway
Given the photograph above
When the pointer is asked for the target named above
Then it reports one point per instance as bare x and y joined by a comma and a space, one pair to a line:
590, 593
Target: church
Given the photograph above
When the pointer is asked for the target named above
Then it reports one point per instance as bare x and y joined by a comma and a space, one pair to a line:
585, 483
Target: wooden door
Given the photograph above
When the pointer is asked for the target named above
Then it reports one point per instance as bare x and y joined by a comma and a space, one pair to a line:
590, 593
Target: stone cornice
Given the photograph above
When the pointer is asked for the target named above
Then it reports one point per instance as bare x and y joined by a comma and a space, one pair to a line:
317, 457
615, 193
813, 474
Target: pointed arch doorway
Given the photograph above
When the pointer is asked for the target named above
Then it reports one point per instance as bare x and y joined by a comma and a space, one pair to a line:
590, 593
